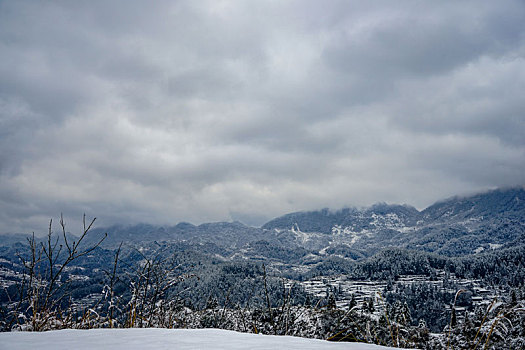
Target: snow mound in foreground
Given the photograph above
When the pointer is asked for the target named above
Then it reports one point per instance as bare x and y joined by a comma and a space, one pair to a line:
156, 338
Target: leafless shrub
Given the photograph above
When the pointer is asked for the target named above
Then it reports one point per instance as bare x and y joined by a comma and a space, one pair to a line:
42, 292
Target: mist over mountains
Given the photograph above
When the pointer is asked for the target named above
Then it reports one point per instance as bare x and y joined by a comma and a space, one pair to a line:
453, 227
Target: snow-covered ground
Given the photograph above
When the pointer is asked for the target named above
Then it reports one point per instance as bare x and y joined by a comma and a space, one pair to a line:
156, 338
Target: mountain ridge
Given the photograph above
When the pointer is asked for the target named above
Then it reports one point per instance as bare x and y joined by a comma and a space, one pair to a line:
456, 226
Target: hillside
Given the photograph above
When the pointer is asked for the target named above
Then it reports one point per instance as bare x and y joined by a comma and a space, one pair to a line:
454, 227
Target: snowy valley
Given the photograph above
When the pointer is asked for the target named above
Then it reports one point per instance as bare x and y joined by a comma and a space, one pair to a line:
452, 273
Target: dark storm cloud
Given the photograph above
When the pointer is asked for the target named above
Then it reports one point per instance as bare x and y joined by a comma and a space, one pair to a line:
160, 112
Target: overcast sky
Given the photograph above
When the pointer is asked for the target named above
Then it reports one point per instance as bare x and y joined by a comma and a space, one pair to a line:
199, 111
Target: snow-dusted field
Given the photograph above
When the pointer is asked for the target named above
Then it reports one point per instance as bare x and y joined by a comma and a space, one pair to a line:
155, 338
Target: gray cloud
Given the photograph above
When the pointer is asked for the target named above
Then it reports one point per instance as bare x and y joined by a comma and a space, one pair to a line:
230, 110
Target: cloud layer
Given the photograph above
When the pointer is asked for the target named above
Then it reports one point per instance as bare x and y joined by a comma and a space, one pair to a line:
236, 110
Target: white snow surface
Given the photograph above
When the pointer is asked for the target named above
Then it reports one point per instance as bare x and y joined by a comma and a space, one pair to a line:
158, 338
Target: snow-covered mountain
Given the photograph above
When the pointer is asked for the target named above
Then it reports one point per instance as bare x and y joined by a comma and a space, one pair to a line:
457, 226
454, 227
